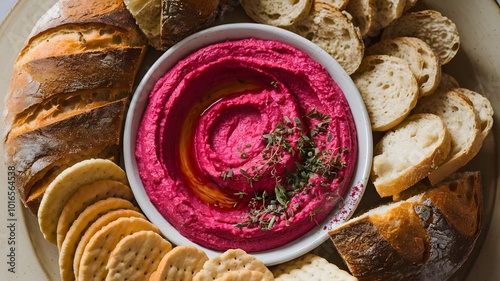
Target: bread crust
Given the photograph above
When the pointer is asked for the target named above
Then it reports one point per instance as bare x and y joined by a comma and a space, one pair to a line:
444, 223
69, 90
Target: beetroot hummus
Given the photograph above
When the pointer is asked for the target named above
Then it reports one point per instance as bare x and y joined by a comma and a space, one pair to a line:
246, 144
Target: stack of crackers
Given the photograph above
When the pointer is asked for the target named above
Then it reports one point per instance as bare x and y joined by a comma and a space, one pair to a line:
89, 212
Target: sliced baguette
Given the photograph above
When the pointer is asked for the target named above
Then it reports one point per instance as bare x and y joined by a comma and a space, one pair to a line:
483, 108
278, 13
388, 88
408, 153
463, 124
438, 31
338, 4
335, 33
386, 12
420, 57
426, 237
363, 14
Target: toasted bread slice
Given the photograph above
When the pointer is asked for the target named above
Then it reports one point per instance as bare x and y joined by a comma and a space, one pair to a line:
335, 33
422, 61
432, 27
483, 108
386, 12
462, 121
408, 153
363, 14
278, 13
388, 88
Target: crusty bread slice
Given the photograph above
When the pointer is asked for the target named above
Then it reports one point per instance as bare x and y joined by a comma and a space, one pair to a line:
147, 14
438, 31
338, 4
388, 88
420, 57
363, 14
278, 13
462, 121
335, 33
408, 153
483, 108
426, 237
386, 11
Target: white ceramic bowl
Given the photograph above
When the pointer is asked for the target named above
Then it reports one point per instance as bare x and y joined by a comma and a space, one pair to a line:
343, 211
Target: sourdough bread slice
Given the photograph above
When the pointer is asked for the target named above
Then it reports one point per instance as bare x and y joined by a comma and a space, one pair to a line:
408, 153
335, 33
363, 14
388, 88
386, 12
463, 124
420, 57
438, 31
483, 108
426, 237
278, 13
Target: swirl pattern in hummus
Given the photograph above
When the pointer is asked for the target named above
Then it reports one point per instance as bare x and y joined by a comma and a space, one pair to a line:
204, 148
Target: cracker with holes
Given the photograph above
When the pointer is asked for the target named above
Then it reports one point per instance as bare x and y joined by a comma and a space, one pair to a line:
312, 268
136, 256
105, 210
181, 263
66, 184
86, 196
96, 253
231, 260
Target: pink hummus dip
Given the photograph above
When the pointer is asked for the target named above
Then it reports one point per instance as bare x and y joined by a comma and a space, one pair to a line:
246, 144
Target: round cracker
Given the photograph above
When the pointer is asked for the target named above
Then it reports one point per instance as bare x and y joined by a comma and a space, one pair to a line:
137, 256
101, 212
96, 253
181, 263
66, 184
312, 268
242, 275
231, 260
86, 196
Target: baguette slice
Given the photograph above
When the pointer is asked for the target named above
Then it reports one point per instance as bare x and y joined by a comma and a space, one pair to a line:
386, 12
438, 31
278, 13
422, 61
483, 108
408, 153
338, 4
147, 14
426, 237
388, 88
335, 33
463, 124
363, 14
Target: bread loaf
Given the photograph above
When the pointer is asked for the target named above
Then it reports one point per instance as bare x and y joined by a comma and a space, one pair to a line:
426, 237
69, 89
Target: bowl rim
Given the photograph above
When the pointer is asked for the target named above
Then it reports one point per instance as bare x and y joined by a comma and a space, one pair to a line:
236, 31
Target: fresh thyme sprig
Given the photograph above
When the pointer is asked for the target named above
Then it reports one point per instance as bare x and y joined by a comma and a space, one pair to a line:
266, 209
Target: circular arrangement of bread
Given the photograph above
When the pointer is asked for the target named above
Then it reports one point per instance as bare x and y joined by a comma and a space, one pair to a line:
432, 27
334, 32
388, 88
426, 141
277, 13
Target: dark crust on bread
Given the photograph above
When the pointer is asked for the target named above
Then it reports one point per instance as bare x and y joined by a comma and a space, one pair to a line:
40, 154
449, 213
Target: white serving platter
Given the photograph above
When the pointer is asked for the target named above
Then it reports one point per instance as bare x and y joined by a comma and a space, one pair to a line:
477, 67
